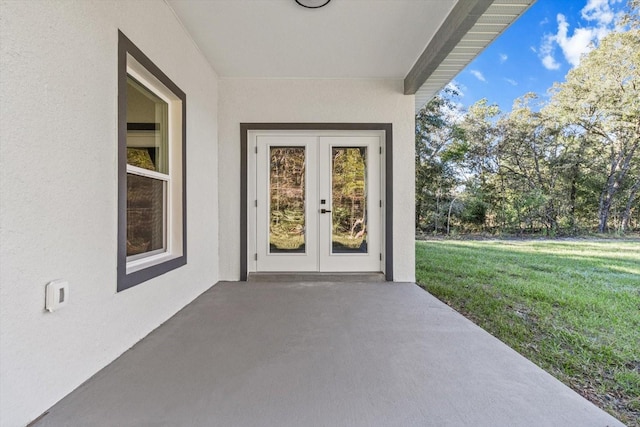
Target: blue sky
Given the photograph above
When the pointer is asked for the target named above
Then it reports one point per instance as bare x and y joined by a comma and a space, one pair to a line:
537, 50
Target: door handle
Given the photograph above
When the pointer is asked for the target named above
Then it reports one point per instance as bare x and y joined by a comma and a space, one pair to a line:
324, 211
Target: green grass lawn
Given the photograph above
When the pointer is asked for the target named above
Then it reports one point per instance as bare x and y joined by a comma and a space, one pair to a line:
571, 306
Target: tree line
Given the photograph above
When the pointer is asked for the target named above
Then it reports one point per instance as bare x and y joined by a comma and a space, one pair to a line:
566, 165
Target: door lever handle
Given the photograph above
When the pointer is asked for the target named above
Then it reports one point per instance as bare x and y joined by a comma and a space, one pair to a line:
324, 211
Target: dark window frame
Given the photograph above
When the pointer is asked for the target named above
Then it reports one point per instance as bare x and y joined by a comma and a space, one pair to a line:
124, 280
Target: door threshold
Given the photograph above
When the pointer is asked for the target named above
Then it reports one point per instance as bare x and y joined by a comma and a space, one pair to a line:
316, 277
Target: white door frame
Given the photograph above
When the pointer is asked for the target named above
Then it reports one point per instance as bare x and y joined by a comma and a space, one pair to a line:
248, 167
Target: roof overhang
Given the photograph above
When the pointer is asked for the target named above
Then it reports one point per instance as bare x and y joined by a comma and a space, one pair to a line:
424, 42
470, 27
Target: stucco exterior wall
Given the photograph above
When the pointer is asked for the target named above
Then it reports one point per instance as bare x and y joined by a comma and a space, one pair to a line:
316, 101
58, 187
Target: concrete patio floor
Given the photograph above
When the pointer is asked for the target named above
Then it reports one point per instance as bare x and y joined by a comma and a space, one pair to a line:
305, 353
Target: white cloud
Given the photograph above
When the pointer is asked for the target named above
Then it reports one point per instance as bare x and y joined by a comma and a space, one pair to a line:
550, 63
573, 46
546, 53
478, 75
599, 11
503, 58
581, 42
511, 82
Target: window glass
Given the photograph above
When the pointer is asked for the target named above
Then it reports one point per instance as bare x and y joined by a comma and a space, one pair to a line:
147, 128
146, 204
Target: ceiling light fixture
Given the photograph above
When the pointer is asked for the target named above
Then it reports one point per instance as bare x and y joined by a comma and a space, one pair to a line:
313, 4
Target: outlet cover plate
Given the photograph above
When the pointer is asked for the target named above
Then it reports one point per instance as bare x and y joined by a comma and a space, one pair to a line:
57, 295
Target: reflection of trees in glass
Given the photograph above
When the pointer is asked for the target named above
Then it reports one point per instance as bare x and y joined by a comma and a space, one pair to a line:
145, 214
287, 199
140, 157
287, 170
349, 197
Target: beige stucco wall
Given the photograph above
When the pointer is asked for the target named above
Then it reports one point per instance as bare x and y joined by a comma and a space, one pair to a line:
58, 182
316, 101
58, 178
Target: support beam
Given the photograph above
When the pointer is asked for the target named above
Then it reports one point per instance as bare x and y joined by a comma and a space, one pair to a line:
463, 16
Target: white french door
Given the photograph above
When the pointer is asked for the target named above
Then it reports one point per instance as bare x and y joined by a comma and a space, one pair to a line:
317, 203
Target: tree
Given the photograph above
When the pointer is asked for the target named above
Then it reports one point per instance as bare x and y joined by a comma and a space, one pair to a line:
570, 164
631, 17
531, 154
475, 149
633, 194
601, 96
478, 139
436, 127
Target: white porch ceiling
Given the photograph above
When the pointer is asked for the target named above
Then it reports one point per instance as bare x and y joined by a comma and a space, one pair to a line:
345, 39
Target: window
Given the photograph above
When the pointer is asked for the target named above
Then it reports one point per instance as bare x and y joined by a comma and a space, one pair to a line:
151, 169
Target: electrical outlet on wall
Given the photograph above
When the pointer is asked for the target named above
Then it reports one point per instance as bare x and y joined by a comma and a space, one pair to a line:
56, 295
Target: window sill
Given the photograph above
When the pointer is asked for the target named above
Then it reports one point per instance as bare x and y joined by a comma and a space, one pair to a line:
150, 261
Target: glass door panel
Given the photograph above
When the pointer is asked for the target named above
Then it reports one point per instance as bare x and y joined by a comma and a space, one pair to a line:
285, 203
287, 200
349, 197
349, 220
